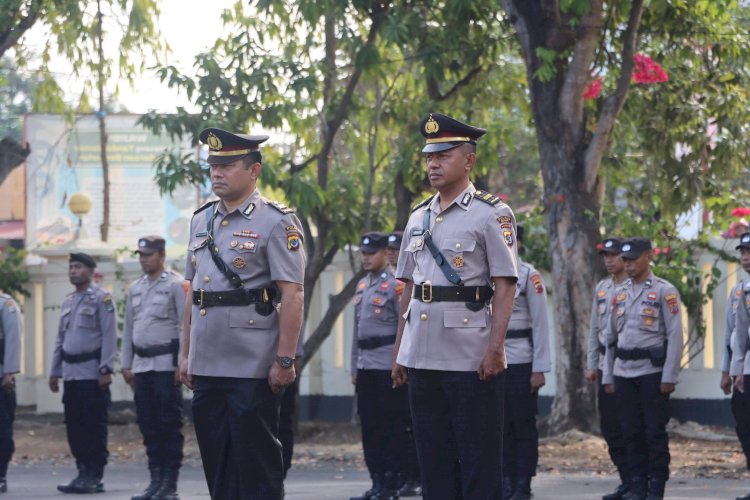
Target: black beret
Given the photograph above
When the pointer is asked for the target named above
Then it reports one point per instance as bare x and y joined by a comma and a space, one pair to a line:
443, 132
225, 147
83, 258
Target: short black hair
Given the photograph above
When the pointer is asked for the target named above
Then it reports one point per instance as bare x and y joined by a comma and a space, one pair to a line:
251, 158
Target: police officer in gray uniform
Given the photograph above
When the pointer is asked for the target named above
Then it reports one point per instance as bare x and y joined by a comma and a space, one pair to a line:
528, 353
738, 366
246, 265
451, 348
601, 308
150, 345
11, 327
383, 410
84, 357
643, 361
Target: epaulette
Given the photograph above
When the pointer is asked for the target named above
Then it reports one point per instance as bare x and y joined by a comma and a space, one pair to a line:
422, 203
486, 197
280, 207
209, 204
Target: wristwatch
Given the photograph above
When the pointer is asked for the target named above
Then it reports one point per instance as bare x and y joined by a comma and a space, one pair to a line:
285, 361
105, 371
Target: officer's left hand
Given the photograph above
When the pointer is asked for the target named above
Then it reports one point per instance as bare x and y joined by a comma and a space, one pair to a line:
279, 377
537, 381
492, 365
104, 380
8, 382
667, 388
726, 383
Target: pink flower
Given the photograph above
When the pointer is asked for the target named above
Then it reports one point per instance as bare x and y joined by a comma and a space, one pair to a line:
647, 71
593, 89
665, 250
740, 212
657, 251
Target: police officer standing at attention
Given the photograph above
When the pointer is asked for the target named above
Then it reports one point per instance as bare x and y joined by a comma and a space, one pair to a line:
528, 354
738, 366
601, 308
246, 265
383, 410
646, 325
393, 248
456, 244
84, 357
150, 345
10, 357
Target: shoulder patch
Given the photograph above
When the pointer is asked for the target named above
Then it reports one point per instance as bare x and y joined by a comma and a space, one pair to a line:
422, 203
486, 197
205, 206
280, 207
108, 305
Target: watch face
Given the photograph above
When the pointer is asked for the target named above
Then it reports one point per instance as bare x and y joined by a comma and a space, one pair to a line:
285, 362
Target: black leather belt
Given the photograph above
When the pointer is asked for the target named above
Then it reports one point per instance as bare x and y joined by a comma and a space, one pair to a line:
239, 297
81, 357
2, 350
632, 354
159, 350
518, 334
428, 293
375, 342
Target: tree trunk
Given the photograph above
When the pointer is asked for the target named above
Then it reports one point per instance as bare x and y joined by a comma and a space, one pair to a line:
104, 228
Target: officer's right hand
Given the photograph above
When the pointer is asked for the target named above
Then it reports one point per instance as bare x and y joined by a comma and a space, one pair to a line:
492, 365
354, 380
591, 376
739, 384
185, 377
127, 374
726, 383
609, 388
54, 386
399, 375
8, 382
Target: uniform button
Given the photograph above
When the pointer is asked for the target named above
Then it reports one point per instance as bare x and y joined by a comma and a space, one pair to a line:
423, 317
458, 245
216, 248
206, 279
466, 321
225, 223
203, 312
439, 219
251, 322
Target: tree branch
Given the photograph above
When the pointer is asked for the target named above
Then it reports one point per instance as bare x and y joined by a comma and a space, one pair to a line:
295, 168
434, 92
613, 104
10, 36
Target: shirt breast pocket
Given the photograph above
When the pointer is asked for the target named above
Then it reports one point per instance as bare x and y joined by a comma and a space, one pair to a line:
88, 318
381, 308
457, 250
649, 319
160, 305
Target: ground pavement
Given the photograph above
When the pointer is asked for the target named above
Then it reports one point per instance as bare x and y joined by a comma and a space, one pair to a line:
39, 482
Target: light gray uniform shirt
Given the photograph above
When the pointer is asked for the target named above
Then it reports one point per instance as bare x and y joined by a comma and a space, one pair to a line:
644, 316
376, 307
601, 309
529, 311
153, 317
11, 327
740, 362
261, 241
479, 240
88, 321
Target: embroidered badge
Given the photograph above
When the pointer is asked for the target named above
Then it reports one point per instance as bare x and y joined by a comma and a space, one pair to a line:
248, 245
537, 281
239, 262
292, 242
649, 311
458, 261
508, 237
673, 303
385, 285
651, 296
648, 320
378, 301
108, 305
431, 126
601, 294
292, 228
620, 297
506, 226
362, 285
378, 310
505, 219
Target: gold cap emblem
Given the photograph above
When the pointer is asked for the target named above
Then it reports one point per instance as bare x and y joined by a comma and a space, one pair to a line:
214, 142
431, 126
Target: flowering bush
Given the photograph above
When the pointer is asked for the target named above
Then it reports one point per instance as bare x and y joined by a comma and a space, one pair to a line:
647, 71
593, 89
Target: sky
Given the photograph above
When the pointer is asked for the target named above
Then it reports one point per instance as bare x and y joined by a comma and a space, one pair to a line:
188, 26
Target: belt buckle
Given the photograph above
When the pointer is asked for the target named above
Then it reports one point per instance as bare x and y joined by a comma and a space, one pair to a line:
426, 292
201, 297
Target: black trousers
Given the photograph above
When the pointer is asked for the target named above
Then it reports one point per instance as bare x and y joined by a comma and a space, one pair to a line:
609, 423
86, 406
458, 425
286, 424
412, 470
236, 424
520, 436
644, 413
384, 415
158, 403
741, 412
7, 415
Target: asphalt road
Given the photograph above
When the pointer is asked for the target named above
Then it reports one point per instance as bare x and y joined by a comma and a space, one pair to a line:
122, 481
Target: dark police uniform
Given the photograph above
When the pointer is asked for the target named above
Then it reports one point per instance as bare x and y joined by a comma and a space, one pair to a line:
527, 351
86, 347
647, 324
609, 413
234, 331
11, 327
150, 344
383, 410
457, 417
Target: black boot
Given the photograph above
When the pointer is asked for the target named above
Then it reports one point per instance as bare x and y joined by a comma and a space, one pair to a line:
411, 488
168, 488
92, 480
509, 486
637, 490
153, 485
618, 494
656, 489
523, 489
72, 486
389, 491
745, 497
377, 485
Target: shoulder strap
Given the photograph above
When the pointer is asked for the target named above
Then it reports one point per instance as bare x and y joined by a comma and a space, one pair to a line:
205, 206
440, 259
281, 207
486, 197
422, 203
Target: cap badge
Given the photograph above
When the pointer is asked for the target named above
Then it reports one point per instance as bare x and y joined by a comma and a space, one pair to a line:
142, 243
626, 247
431, 127
214, 142
366, 241
392, 238
608, 244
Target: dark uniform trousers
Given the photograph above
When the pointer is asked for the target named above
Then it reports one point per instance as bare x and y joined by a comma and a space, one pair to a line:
286, 423
609, 423
159, 407
458, 424
644, 414
384, 414
741, 412
236, 424
520, 436
86, 406
7, 415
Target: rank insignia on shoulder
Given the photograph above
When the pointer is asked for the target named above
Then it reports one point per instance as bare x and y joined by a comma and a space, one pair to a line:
292, 242
281, 207
486, 197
